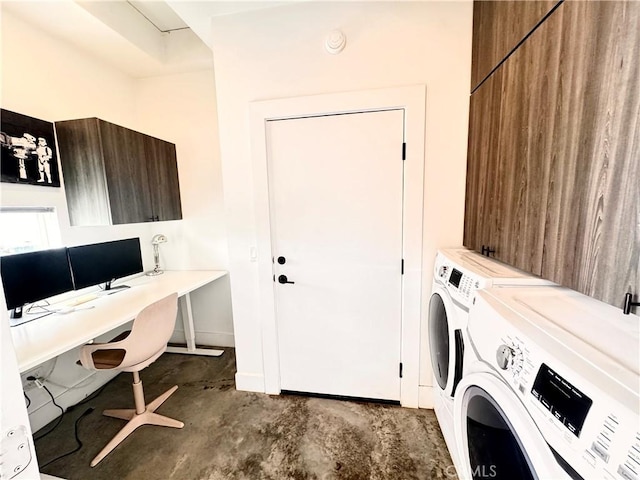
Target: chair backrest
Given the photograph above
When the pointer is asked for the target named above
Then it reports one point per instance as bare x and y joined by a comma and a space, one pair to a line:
152, 329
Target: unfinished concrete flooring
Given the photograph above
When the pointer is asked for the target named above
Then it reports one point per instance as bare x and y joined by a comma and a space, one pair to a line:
239, 435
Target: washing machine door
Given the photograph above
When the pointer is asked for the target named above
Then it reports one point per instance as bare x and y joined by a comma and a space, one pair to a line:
496, 436
445, 341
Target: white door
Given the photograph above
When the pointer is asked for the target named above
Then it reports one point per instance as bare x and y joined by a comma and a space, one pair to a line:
336, 186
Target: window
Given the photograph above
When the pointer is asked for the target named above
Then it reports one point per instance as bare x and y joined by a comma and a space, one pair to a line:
25, 229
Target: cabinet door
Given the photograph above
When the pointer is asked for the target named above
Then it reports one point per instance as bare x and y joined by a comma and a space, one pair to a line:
126, 172
498, 26
164, 186
592, 236
526, 146
83, 170
481, 219
510, 132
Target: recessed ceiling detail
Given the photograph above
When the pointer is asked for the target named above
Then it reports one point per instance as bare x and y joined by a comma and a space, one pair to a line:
159, 14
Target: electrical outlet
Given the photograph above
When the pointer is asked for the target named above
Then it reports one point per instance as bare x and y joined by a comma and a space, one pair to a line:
30, 384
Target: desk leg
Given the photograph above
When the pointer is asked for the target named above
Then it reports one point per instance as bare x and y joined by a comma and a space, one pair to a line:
189, 332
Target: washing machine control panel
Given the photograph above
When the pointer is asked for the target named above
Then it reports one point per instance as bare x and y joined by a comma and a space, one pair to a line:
588, 428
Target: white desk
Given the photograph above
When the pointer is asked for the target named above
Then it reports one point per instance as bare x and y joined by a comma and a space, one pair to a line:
47, 337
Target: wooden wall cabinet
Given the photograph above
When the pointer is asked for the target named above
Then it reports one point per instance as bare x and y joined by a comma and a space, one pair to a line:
114, 175
553, 179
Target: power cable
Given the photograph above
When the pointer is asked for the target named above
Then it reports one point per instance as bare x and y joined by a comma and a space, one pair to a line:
78, 441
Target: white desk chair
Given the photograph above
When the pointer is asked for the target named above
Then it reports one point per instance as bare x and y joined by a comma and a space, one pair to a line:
131, 352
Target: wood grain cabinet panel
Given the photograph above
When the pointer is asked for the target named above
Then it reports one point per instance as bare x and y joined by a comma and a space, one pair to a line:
498, 26
592, 232
482, 222
126, 170
562, 169
163, 179
114, 175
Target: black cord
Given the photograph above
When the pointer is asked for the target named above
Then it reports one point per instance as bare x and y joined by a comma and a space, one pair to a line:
28, 399
53, 400
78, 441
85, 400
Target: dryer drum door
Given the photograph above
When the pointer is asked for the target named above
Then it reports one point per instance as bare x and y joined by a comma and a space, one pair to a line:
496, 436
445, 342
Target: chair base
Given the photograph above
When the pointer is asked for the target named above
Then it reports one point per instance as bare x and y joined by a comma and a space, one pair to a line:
148, 417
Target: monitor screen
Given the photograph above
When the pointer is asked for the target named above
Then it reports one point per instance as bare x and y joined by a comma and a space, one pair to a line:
104, 262
29, 277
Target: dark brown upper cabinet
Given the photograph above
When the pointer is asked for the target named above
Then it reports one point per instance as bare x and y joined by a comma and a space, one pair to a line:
553, 174
114, 175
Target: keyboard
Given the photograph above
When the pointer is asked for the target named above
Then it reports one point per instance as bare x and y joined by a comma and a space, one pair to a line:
80, 300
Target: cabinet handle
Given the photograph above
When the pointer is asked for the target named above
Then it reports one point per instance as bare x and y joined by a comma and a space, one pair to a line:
626, 309
486, 250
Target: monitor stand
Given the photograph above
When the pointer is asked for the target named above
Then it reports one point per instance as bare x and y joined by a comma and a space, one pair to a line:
25, 317
108, 289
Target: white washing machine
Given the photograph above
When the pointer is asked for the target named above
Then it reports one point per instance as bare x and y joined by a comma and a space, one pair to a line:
555, 391
458, 274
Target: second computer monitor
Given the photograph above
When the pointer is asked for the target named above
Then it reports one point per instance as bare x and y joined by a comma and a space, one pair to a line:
104, 262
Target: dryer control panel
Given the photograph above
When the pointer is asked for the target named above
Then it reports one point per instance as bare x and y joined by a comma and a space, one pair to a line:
460, 284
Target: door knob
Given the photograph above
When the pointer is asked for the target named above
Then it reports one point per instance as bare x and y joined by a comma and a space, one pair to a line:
281, 260
284, 279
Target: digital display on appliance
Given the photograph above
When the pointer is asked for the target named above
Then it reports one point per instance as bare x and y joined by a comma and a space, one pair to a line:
455, 278
567, 404
32, 276
104, 262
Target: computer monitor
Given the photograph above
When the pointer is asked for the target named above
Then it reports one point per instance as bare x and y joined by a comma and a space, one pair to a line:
32, 276
104, 262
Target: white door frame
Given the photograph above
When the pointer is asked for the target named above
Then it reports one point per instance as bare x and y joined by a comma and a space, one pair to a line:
412, 100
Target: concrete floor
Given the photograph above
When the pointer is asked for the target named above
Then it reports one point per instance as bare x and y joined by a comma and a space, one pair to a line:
239, 435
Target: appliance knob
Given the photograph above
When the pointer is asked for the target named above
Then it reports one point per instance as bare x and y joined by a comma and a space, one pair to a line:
504, 356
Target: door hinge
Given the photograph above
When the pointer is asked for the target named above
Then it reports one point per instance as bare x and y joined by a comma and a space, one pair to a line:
400, 370
402, 267
404, 150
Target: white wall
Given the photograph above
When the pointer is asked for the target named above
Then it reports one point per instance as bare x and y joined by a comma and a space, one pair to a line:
47, 78
181, 108
279, 53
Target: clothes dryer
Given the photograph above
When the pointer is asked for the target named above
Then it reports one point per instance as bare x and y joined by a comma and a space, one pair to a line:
458, 274
554, 393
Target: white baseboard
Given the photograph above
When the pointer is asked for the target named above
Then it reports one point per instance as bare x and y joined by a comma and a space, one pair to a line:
425, 399
213, 339
250, 382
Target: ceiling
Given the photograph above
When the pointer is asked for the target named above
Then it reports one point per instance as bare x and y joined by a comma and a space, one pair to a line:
140, 38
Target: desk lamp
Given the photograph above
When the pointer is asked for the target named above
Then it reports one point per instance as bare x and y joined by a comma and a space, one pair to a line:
156, 241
